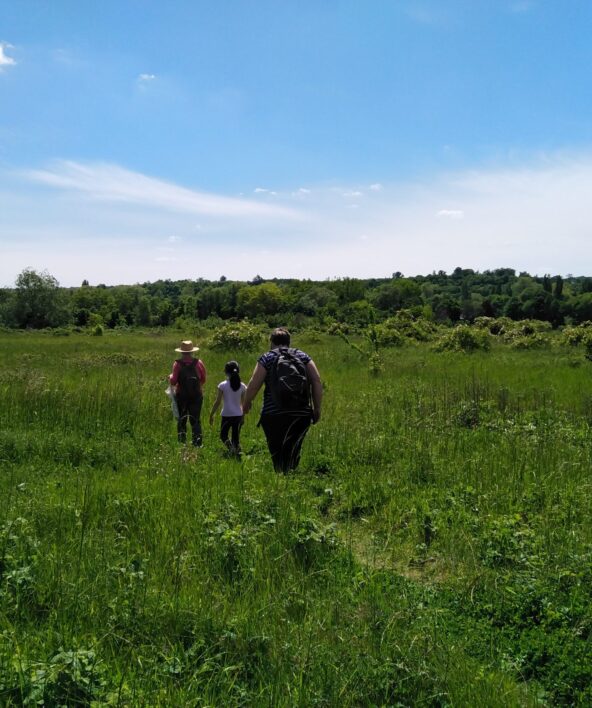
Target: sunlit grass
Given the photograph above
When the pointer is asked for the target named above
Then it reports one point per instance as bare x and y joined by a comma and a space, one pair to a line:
434, 547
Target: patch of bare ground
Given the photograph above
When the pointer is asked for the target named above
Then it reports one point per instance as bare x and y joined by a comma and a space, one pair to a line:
376, 553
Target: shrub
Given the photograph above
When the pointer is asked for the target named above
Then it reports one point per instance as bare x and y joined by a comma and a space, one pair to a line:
532, 341
98, 330
237, 336
464, 339
588, 346
576, 335
405, 325
384, 335
494, 325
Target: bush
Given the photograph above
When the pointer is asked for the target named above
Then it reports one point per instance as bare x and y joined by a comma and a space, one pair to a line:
495, 325
234, 336
98, 330
405, 325
576, 335
532, 341
588, 346
464, 339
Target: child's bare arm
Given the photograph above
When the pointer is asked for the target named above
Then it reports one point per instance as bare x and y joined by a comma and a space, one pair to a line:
215, 406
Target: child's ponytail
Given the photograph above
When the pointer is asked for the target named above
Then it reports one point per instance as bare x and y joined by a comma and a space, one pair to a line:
232, 371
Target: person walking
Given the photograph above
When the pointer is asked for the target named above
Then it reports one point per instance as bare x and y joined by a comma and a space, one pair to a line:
188, 379
291, 399
232, 392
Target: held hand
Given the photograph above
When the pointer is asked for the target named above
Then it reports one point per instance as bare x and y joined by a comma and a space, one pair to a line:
316, 416
246, 407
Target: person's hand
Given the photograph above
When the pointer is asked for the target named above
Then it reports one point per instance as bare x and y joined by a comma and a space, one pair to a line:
246, 407
316, 416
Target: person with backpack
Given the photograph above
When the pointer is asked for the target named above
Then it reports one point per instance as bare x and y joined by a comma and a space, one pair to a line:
232, 392
188, 378
291, 400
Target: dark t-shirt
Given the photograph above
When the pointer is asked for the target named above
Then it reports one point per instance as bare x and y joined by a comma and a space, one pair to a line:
269, 407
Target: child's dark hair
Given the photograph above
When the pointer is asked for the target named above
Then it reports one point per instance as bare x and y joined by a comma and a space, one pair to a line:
231, 370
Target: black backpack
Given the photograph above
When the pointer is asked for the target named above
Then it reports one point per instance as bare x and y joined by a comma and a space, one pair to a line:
188, 380
288, 381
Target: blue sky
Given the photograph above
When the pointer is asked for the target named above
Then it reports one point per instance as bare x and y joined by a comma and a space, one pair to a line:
145, 140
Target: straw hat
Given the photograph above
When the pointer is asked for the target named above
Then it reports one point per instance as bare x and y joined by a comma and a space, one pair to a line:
187, 347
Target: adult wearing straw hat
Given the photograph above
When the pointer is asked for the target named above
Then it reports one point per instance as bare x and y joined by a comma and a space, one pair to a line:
188, 378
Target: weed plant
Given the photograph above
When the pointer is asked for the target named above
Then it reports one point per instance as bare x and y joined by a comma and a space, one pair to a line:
434, 548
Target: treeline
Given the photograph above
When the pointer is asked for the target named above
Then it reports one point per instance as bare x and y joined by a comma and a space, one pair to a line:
37, 300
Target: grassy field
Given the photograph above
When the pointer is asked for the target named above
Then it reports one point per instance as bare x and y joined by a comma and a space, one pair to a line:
434, 548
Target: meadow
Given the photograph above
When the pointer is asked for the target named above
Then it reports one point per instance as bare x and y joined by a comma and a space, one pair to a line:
433, 549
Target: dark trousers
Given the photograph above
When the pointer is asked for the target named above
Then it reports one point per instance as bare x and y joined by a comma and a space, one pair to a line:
189, 411
231, 424
285, 433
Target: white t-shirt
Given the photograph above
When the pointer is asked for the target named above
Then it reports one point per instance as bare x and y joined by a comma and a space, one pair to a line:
232, 399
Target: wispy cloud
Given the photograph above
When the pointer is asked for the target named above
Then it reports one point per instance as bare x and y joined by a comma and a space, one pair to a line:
5, 60
377, 187
531, 216
352, 193
451, 214
146, 78
109, 182
521, 7
424, 13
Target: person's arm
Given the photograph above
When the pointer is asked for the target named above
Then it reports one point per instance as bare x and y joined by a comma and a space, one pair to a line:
257, 380
201, 372
174, 377
316, 387
215, 406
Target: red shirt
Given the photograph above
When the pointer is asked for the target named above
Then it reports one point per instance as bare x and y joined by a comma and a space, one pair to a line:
201, 371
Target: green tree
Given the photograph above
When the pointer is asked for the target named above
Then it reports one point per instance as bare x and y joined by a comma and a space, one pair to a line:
260, 300
38, 300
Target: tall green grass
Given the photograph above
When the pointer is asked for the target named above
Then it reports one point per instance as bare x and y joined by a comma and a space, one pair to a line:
433, 549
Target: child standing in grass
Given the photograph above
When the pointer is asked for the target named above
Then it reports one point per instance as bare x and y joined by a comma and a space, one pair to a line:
232, 391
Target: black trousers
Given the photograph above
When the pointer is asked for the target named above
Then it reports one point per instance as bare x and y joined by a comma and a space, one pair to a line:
231, 424
189, 411
285, 433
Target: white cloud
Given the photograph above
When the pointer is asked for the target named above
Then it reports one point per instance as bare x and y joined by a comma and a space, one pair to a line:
375, 187
352, 193
451, 213
112, 183
532, 217
522, 6
174, 239
146, 77
423, 13
5, 60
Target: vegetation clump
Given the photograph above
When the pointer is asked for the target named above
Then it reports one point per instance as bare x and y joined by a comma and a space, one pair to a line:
237, 336
574, 335
463, 339
404, 326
